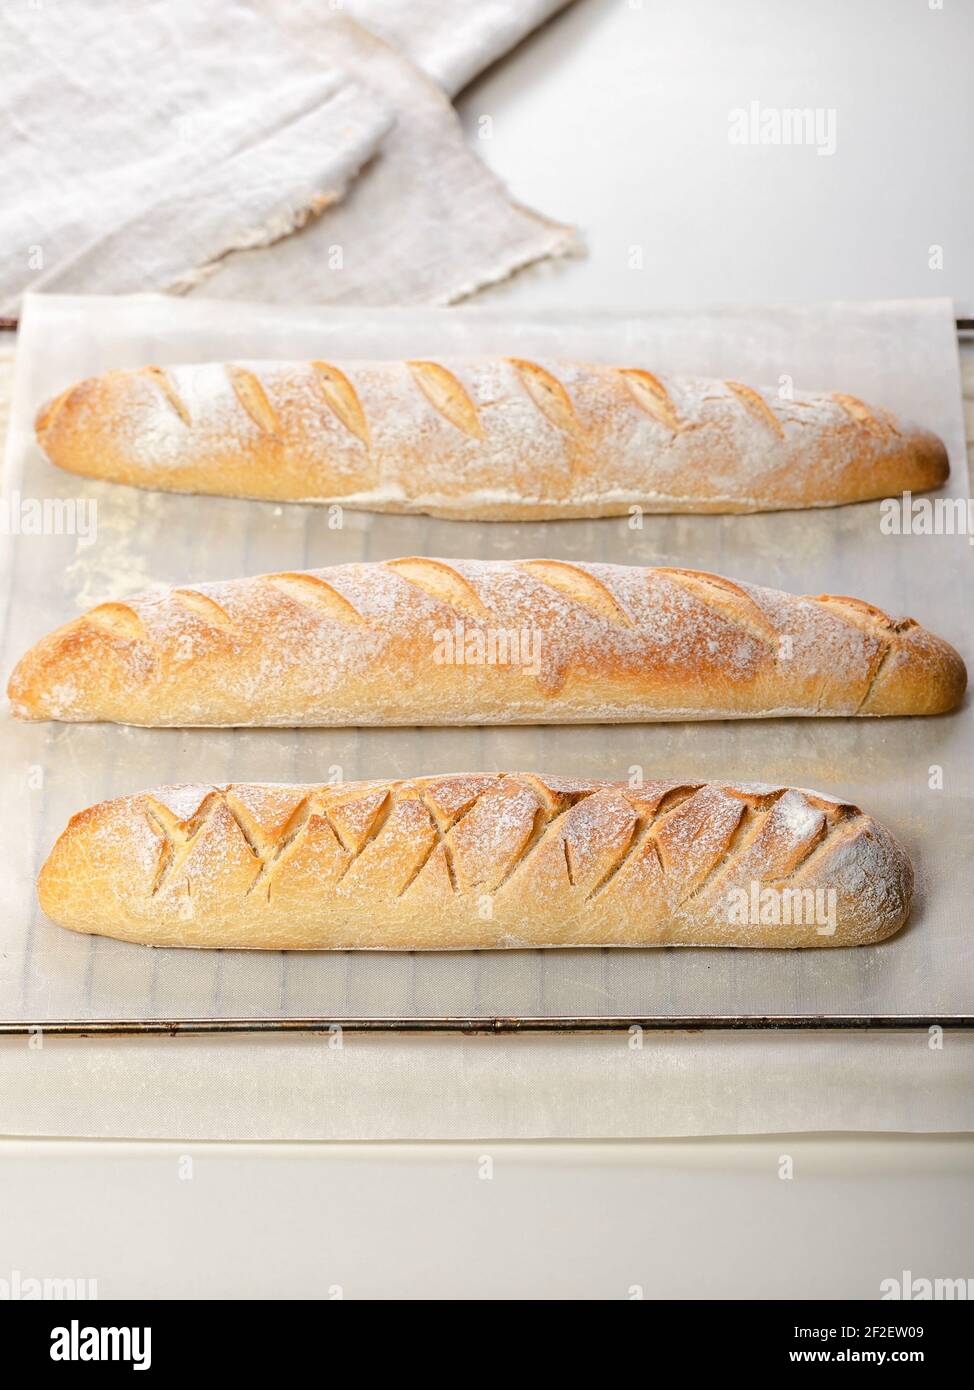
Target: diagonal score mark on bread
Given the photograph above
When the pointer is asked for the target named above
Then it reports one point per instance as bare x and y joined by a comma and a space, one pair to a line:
340, 395
756, 405
868, 418
438, 843
549, 824
315, 593
377, 821
652, 397
271, 851
546, 822
766, 852
445, 819
442, 829
870, 619
847, 824
250, 393
47, 414
180, 836
641, 835
446, 394
203, 607
441, 582
724, 597
549, 395
579, 586
172, 836
117, 620
744, 829
353, 815
168, 390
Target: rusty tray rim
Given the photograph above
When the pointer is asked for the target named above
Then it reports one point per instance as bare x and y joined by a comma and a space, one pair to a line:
487, 1025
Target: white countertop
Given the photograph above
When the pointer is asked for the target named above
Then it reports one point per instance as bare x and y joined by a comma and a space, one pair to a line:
616, 116
695, 1219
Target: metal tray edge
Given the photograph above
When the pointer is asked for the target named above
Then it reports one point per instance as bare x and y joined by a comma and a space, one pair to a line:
487, 1025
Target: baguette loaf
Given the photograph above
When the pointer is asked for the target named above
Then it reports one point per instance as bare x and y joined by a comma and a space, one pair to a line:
483, 439
469, 862
424, 641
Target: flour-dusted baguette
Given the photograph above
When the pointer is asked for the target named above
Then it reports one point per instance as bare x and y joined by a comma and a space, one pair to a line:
425, 641
468, 861
483, 438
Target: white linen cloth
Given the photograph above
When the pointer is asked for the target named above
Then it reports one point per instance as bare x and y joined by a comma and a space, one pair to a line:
426, 222
451, 40
142, 141
147, 143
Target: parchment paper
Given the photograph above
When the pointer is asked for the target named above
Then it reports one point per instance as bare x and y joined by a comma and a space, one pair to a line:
422, 1087
896, 354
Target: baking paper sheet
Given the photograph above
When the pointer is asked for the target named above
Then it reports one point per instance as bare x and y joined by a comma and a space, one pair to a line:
902, 355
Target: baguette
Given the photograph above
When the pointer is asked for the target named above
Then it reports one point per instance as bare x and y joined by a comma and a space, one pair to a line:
483, 439
425, 641
473, 862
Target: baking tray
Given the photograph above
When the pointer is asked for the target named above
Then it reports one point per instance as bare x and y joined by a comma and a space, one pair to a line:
901, 354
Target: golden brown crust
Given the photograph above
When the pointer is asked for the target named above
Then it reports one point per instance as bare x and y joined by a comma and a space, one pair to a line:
427, 641
472, 862
483, 438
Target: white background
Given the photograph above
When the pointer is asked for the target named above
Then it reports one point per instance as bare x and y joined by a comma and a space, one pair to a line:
614, 116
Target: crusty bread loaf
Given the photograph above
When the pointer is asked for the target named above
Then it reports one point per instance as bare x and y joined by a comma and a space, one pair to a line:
468, 862
483, 438
424, 641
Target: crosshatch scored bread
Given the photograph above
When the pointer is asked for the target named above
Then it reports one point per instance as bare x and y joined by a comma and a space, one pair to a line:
472, 862
483, 438
426, 641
